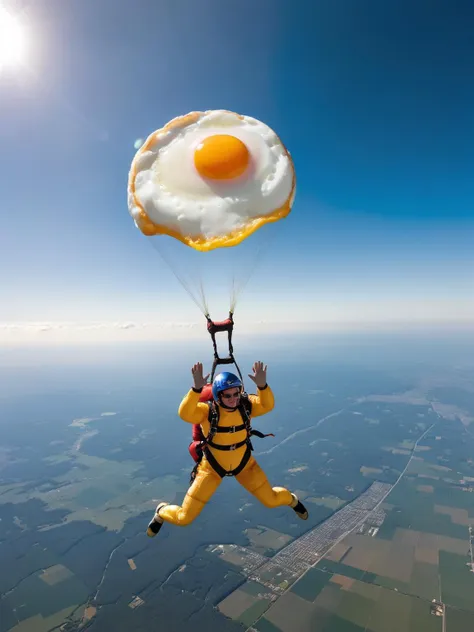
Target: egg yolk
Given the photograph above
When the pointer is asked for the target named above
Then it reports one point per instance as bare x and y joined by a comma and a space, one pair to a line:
221, 157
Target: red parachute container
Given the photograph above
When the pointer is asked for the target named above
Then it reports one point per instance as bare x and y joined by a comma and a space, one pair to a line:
206, 395
195, 449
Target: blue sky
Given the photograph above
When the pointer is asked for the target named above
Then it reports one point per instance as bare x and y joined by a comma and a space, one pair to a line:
375, 101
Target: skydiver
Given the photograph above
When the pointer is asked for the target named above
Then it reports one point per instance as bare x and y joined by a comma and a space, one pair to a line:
228, 452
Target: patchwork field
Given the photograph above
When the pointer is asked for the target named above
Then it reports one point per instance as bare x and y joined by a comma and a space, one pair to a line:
98, 490
324, 601
387, 576
263, 539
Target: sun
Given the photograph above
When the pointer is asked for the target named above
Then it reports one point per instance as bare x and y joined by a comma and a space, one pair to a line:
13, 42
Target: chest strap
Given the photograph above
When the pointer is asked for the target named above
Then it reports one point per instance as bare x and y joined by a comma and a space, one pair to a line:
231, 428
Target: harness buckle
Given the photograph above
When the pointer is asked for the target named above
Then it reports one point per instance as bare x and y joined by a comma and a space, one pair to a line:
232, 447
232, 429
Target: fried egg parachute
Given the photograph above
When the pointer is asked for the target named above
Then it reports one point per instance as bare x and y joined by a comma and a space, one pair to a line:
208, 181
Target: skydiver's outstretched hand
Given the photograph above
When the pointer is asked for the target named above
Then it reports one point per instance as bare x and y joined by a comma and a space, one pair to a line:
259, 374
199, 380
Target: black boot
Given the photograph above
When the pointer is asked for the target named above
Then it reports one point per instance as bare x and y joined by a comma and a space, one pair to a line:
299, 509
155, 524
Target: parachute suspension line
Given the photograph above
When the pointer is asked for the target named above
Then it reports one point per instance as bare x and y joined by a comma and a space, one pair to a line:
233, 297
203, 299
202, 306
238, 288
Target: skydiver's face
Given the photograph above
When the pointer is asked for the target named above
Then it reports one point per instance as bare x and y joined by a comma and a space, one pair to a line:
231, 397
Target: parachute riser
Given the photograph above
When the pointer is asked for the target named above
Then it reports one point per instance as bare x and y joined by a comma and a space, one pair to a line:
218, 327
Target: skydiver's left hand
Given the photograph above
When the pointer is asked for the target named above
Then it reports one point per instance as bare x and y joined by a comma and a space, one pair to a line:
259, 374
199, 380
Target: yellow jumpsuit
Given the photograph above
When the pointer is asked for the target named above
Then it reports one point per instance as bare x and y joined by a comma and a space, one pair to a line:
252, 477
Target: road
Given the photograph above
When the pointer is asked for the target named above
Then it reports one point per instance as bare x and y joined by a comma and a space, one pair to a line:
298, 432
470, 548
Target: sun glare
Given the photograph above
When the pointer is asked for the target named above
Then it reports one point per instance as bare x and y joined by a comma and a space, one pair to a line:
12, 40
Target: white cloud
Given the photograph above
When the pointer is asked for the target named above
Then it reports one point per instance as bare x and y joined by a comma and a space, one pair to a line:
70, 333
338, 314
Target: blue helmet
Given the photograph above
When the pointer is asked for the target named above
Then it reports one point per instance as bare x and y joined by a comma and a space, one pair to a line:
222, 382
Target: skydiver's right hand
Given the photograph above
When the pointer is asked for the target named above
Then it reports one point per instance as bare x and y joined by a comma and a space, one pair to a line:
199, 379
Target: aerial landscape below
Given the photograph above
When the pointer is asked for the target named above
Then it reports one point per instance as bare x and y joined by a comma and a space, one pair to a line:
383, 459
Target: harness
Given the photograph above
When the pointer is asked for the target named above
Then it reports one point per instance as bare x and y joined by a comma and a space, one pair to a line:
245, 409
201, 446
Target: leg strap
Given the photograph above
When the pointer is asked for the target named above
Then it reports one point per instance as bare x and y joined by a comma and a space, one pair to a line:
220, 470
